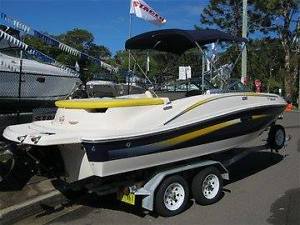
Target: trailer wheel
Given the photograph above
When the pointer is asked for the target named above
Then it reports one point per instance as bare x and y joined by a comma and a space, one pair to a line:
207, 186
172, 196
15, 172
276, 137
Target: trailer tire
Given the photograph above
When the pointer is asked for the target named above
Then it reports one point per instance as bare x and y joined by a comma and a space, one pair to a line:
172, 196
14, 176
207, 186
276, 137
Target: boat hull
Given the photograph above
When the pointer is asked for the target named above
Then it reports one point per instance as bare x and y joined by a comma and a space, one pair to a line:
112, 167
35, 90
205, 137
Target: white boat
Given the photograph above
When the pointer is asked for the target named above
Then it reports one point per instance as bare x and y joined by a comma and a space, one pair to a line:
33, 83
39, 80
103, 137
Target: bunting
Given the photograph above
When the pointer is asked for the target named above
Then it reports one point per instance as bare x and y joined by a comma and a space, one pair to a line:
15, 23
53, 42
69, 49
30, 50
46, 39
13, 40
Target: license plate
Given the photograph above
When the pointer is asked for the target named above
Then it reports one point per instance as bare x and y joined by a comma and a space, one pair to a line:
127, 198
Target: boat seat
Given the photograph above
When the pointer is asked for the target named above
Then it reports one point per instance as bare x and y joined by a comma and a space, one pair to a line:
108, 103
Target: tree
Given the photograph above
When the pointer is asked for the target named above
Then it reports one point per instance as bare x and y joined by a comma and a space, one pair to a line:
274, 18
99, 51
283, 15
163, 66
227, 16
78, 38
271, 71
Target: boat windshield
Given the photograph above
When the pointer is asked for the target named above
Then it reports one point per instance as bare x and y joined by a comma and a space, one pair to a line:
235, 85
180, 89
186, 85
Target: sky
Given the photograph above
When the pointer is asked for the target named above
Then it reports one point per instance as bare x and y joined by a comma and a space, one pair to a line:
107, 20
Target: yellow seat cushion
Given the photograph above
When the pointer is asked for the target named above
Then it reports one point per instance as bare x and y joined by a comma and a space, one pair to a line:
107, 103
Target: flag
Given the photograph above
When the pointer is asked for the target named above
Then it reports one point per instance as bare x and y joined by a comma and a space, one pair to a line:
148, 63
77, 68
142, 10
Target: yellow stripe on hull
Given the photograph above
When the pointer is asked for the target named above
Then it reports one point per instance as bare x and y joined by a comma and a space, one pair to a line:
259, 116
199, 133
107, 103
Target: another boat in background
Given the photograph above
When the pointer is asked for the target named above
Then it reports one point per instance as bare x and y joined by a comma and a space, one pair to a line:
26, 83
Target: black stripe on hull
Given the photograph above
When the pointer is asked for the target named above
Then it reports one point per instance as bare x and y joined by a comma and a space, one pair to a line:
118, 149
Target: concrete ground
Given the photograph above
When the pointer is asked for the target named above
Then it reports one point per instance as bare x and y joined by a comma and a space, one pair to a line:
264, 189
34, 187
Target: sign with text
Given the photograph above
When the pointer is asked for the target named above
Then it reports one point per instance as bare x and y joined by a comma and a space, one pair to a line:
185, 72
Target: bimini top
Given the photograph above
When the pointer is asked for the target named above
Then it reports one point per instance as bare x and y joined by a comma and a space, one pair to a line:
107, 103
178, 41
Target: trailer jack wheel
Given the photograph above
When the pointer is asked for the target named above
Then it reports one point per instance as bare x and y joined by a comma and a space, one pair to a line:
276, 137
207, 186
172, 196
7, 161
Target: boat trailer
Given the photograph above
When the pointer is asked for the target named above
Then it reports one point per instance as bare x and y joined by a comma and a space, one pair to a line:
167, 191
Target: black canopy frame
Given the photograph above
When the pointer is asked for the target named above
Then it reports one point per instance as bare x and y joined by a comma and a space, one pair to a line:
178, 41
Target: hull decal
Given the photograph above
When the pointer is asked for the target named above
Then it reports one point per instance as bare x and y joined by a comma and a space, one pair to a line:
198, 133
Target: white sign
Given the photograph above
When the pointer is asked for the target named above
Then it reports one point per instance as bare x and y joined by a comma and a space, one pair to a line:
185, 72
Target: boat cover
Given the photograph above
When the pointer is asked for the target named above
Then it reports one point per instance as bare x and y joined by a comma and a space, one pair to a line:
178, 41
107, 103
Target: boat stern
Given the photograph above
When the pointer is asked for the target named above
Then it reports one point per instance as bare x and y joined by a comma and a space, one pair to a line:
36, 133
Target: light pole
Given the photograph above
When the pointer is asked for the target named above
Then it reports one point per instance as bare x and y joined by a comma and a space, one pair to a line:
299, 84
270, 76
244, 34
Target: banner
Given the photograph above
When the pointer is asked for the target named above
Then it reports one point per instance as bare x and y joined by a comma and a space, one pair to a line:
142, 10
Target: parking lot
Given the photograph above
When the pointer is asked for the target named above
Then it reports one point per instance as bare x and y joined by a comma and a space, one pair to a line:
264, 189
